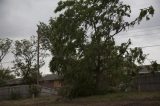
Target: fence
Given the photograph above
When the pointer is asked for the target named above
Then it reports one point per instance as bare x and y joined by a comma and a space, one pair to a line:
22, 91
48, 91
148, 82
8, 92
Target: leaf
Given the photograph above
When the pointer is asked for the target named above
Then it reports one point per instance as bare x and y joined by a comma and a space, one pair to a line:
147, 18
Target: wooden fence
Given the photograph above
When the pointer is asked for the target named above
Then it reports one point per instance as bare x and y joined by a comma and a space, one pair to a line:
22, 91
148, 82
144, 82
9, 92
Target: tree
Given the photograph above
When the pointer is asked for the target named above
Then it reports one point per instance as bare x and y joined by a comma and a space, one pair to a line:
25, 64
84, 49
5, 74
155, 67
5, 45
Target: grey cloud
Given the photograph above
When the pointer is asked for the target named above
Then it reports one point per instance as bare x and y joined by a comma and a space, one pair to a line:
20, 17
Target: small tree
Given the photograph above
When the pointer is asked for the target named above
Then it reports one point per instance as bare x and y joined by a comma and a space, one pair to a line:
25, 63
5, 45
155, 67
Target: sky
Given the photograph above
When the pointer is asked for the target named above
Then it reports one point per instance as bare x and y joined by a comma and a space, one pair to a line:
19, 19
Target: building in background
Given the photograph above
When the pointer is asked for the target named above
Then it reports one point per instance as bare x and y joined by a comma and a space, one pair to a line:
51, 81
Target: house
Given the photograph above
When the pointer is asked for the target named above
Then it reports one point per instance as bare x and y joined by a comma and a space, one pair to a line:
146, 69
51, 81
49, 85
14, 82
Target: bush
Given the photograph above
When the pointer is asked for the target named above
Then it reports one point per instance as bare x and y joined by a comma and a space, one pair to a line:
77, 90
34, 90
2, 82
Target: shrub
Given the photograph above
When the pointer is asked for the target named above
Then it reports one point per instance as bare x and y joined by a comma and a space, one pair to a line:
34, 90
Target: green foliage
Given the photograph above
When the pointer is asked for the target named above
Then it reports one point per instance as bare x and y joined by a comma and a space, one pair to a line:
25, 63
83, 46
155, 67
34, 90
5, 74
5, 45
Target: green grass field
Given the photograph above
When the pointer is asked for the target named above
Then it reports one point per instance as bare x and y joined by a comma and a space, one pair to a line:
116, 99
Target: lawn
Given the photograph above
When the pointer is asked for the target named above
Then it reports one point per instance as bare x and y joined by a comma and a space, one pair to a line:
115, 99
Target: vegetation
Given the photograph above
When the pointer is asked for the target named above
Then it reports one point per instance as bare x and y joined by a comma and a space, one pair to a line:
34, 90
5, 45
25, 64
154, 67
84, 49
5, 74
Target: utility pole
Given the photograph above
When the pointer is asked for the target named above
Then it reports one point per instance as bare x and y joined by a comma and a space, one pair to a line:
37, 58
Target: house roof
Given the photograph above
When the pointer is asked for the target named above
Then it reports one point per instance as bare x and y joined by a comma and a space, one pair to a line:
14, 81
146, 69
50, 77
19, 81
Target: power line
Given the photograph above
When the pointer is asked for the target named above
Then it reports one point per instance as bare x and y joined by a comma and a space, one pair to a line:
142, 29
149, 46
138, 35
135, 34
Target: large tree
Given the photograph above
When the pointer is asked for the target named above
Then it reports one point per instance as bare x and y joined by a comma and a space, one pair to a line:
25, 63
5, 45
83, 45
5, 74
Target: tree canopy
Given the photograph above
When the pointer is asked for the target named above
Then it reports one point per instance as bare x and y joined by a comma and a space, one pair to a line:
5, 45
25, 63
84, 49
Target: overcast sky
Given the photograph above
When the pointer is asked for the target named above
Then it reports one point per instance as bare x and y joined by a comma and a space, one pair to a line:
19, 18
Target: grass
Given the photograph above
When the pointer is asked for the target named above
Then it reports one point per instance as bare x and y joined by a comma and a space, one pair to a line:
114, 99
